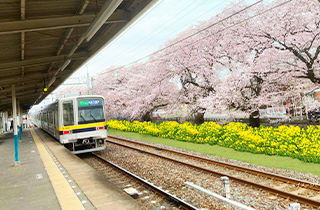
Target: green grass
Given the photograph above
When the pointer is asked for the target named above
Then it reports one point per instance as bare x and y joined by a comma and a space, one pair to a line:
258, 159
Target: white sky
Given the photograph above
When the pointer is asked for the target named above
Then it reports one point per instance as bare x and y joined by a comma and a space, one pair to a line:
163, 21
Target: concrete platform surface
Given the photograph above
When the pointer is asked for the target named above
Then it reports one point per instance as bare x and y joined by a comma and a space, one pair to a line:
98, 190
26, 185
49, 176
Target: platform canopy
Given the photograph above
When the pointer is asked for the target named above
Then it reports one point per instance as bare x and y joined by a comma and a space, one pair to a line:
42, 42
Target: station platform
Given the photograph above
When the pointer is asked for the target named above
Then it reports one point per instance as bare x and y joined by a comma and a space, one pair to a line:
48, 176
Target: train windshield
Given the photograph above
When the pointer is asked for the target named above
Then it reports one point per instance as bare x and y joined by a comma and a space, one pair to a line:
90, 110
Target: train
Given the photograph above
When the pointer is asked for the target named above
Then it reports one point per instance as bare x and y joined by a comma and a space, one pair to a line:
77, 122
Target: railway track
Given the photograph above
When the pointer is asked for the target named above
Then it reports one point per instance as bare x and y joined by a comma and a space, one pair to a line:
296, 190
149, 195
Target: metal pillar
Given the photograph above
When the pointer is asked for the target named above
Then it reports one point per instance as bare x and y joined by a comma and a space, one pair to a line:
15, 131
7, 121
4, 120
1, 122
20, 122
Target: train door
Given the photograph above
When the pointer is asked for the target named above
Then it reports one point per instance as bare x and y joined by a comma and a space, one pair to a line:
51, 121
49, 114
56, 125
68, 113
47, 120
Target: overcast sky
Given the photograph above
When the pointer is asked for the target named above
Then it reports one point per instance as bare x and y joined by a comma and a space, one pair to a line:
164, 20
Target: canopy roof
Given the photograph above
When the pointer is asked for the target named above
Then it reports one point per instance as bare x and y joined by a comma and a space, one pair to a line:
43, 42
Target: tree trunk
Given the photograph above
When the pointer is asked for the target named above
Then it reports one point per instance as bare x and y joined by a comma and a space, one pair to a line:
254, 119
146, 116
197, 118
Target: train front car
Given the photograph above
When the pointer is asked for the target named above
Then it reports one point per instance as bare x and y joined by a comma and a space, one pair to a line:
83, 125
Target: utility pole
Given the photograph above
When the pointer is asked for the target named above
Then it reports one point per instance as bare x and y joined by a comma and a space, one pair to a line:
88, 82
92, 90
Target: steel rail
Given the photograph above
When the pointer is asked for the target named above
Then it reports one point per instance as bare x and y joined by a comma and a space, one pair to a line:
283, 194
306, 184
169, 196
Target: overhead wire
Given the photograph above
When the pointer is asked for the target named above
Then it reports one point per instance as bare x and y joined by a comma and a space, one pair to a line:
163, 30
197, 32
131, 26
167, 26
143, 40
156, 33
244, 20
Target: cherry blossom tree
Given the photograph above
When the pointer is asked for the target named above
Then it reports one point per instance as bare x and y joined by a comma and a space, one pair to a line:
290, 32
136, 91
196, 63
201, 60
108, 84
246, 57
284, 38
271, 48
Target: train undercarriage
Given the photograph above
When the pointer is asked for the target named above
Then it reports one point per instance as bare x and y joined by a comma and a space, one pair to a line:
86, 145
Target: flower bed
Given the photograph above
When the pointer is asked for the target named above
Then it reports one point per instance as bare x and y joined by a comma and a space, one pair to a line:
291, 141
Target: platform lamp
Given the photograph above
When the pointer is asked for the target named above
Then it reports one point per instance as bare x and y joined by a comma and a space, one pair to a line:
45, 89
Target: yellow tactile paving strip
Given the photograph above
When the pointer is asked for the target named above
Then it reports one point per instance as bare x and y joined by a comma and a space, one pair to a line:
66, 196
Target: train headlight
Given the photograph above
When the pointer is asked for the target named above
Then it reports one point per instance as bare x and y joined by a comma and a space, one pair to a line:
100, 128
66, 132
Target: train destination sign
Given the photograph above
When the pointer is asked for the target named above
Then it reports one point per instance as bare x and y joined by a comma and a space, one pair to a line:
86, 103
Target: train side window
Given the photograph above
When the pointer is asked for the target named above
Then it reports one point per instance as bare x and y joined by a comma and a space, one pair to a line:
56, 118
68, 113
49, 117
52, 117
